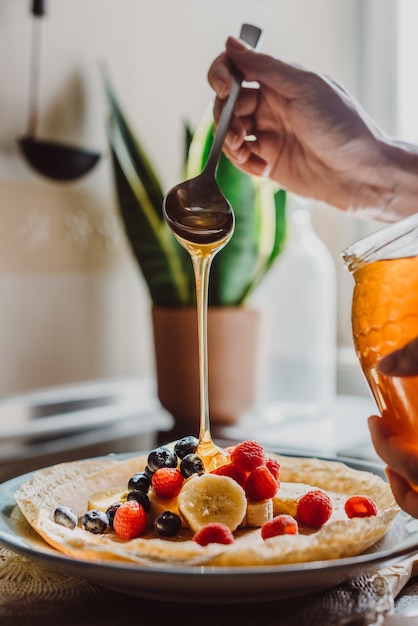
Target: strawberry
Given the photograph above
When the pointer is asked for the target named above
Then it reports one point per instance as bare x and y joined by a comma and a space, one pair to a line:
274, 467
280, 525
360, 506
314, 508
214, 532
248, 455
130, 520
167, 482
260, 485
233, 472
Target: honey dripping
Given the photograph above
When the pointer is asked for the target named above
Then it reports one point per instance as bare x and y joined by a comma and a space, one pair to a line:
202, 255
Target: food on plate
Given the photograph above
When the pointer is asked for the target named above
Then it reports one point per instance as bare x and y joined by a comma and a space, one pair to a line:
165, 507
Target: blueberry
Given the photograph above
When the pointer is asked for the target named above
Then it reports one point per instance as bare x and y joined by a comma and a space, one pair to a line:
140, 497
111, 511
191, 464
186, 445
64, 516
95, 522
161, 457
148, 473
167, 524
139, 482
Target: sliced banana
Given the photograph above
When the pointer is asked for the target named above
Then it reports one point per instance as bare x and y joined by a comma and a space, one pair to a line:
103, 498
211, 498
285, 500
258, 513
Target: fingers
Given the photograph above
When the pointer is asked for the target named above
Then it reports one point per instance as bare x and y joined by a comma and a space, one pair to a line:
402, 362
405, 497
400, 456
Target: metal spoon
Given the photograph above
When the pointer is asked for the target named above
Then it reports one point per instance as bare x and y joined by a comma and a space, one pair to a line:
53, 160
196, 210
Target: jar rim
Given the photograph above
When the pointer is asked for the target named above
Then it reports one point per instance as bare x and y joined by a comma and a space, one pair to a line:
398, 240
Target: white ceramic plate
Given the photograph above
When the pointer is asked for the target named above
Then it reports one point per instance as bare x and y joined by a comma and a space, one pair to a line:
207, 584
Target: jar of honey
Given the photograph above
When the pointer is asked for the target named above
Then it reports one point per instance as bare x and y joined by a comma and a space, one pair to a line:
385, 316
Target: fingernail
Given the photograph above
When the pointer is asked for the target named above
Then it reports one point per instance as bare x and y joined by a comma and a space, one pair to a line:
266, 171
236, 44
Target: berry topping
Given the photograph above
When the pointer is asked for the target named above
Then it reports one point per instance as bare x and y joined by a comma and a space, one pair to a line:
139, 482
110, 512
248, 455
167, 524
130, 520
233, 472
274, 467
191, 464
95, 522
280, 525
215, 532
260, 485
161, 457
167, 482
186, 445
64, 516
314, 508
140, 497
360, 506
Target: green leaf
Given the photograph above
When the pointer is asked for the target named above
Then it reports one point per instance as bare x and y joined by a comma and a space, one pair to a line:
165, 265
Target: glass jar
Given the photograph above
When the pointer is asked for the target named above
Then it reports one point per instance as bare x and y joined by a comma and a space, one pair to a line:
385, 316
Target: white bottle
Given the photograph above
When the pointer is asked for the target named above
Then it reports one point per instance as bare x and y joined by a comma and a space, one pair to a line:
300, 293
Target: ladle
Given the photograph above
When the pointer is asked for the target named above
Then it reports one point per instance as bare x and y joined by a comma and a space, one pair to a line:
53, 160
196, 210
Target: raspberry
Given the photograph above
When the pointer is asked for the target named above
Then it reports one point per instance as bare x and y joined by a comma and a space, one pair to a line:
360, 506
314, 508
214, 532
167, 482
248, 455
280, 525
260, 485
130, 520
233, 472
274, 467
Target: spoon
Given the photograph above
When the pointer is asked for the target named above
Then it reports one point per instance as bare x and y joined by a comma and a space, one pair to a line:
53, 160
196, 210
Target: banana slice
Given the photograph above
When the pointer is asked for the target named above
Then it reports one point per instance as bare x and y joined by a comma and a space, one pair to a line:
285, 500
211, 498
103, 498
258, 513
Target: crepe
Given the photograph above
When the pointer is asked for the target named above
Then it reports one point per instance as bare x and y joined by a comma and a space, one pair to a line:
70, 484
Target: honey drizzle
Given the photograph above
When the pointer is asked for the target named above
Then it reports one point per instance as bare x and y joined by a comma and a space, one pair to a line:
202, 256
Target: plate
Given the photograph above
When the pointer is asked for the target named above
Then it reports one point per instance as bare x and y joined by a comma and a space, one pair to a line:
207, 583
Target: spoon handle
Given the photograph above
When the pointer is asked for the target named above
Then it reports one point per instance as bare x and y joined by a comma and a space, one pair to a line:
251, 35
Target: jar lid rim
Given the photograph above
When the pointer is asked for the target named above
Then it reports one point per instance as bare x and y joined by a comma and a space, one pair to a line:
392, 241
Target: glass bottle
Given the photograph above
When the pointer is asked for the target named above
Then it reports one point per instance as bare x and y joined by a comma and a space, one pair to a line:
301, 290
385, 315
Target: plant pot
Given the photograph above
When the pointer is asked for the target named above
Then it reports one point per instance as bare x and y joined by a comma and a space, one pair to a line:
233, 362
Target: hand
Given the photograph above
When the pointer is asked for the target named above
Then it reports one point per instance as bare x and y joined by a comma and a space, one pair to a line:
402, 464
402, 362
312, 137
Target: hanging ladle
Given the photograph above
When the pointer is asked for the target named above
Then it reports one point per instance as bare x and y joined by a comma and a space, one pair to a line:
49, 158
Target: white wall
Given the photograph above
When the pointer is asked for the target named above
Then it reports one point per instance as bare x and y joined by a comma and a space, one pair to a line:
73, 305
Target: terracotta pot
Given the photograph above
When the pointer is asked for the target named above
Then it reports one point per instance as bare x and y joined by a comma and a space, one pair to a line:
233, 352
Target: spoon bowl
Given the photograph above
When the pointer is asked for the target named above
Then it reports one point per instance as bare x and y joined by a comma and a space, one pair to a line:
196, 210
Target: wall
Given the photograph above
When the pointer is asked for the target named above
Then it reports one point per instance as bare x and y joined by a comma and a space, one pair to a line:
73, 305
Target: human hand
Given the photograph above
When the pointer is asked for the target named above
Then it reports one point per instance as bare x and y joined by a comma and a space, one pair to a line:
311, 136
402, 464
402, 362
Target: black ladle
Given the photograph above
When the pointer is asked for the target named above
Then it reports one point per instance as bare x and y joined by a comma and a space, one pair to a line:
49, 158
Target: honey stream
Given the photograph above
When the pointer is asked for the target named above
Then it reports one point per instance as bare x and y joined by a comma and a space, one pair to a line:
202, 256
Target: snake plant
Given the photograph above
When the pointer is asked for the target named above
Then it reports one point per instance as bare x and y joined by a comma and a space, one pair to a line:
259, 208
